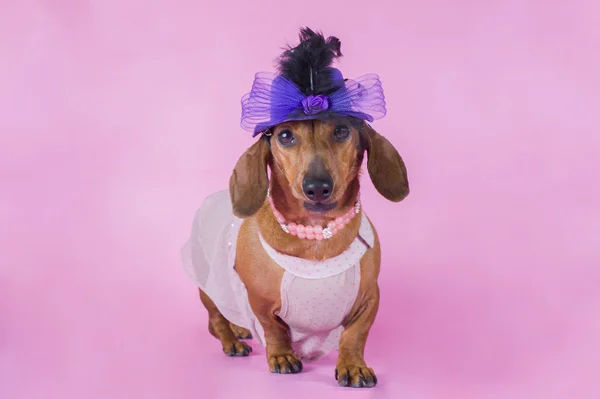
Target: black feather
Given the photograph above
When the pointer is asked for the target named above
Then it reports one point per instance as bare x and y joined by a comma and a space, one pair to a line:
314, 54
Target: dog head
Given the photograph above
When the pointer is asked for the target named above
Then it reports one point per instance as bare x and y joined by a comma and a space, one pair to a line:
315, 161
315, 168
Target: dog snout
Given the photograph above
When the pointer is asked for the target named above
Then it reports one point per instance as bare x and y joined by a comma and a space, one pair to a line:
318, 189
317, 184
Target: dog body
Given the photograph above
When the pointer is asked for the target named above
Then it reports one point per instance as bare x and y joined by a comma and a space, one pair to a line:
315, 296
287, 254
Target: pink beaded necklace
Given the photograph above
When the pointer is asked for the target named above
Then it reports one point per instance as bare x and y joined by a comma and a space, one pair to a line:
315, 232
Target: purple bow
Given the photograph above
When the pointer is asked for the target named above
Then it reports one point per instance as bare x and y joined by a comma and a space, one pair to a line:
274, 99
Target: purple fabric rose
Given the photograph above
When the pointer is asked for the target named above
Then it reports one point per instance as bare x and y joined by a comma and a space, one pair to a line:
315, 104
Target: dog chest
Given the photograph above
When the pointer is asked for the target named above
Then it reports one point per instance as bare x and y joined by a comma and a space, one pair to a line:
318, 304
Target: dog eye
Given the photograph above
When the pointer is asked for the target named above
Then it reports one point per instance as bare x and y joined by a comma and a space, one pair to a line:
341, 133
286, 138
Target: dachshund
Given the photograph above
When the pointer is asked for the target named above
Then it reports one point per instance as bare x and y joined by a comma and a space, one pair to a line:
287, 255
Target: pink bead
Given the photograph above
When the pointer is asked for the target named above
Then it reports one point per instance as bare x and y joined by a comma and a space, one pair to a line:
331, 224
300, 229
310, 236
292, 232
291, 226
346, 220
333, 230
319, 237
352, 212
339, 221
309, 230
318, 229
301, 235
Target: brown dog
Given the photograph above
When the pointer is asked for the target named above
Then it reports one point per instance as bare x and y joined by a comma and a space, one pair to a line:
304, 158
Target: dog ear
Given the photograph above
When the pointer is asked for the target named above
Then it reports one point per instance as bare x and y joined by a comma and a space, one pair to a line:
386, 167
249, 181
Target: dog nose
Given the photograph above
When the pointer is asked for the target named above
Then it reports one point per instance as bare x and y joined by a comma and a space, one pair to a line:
317, 189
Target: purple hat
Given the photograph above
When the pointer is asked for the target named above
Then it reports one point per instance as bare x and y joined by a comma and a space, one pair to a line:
308, 88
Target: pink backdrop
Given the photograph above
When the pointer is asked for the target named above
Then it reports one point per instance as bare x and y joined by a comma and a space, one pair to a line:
118, 117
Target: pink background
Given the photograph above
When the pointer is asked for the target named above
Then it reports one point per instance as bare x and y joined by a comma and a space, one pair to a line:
118, 117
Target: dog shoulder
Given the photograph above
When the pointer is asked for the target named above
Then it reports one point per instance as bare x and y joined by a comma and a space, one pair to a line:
371, 260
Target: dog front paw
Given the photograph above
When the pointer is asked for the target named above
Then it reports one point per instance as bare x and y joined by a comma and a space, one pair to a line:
284, 363
355, 376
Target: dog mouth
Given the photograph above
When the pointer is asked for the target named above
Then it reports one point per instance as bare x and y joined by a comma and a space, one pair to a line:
319, 207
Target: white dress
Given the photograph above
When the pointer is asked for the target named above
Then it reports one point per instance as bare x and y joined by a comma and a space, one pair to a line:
316, 296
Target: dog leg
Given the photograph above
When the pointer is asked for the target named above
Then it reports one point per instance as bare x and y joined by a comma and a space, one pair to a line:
220, 328
280, 355
351, 369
